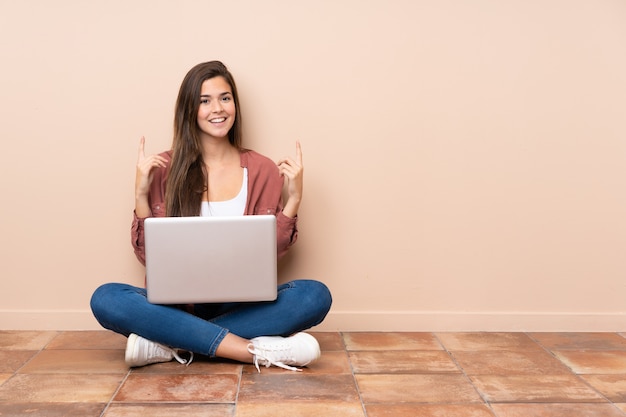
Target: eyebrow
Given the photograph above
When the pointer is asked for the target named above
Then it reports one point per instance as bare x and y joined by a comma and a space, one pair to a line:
226, 93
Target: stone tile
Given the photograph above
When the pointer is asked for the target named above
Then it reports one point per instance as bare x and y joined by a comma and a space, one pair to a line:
534, 388
334, 362
4, 377
98, 339
25, 340
51, 409
142, 388
198, 366
398, 361
503, 362
594, 362
401, 388
580, 341
612, 387
59, 388
556, 410
428, 410
296, 387
76, 373
468, 341
390, 341
300, 409
170, 410
12, 360
329, 341
77, 361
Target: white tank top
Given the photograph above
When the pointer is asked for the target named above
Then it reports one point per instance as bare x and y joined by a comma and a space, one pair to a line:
234, 207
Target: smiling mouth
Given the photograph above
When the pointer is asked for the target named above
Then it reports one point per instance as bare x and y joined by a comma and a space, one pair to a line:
218, 120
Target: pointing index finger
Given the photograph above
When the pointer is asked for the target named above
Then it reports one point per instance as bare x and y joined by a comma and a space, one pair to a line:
298, 153
142, 143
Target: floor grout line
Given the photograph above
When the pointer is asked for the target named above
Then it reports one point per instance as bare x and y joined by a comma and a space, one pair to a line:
119, 387
353, 374
465, 375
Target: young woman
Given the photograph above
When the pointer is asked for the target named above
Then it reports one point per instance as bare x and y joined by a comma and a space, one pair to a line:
208, 172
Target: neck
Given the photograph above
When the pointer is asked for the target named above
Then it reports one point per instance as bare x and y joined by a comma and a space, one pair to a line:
217, 151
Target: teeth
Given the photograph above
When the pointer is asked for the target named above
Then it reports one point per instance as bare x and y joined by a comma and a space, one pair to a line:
220, 120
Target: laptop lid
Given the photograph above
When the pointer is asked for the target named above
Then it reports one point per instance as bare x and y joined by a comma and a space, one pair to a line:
210, 259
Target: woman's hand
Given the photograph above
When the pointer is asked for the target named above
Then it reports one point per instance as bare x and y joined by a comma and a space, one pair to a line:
143, 178
293, 171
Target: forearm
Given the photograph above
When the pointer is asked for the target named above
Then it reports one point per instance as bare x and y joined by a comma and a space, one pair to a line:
291, 207
142, 206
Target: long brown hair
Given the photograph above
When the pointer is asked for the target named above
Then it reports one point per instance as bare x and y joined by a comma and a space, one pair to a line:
187, 178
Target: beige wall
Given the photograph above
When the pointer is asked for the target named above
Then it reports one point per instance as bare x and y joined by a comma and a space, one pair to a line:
465, 160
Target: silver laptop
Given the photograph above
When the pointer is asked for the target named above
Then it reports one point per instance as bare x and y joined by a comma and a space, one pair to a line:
210, 259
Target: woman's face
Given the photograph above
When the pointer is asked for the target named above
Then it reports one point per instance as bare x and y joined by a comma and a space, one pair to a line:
216, 114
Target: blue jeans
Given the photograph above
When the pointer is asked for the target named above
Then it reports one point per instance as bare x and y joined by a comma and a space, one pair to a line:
125, 309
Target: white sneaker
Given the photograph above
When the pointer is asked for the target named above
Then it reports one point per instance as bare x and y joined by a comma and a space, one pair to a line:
299, 350
140, 352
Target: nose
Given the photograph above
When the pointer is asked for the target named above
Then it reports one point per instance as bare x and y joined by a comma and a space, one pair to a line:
216, 106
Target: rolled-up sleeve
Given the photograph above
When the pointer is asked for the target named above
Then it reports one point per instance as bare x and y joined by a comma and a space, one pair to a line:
157, 206
286, 233
137, 238
265, 185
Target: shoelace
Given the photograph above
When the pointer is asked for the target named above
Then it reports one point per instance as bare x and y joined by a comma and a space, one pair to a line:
259, 354
185, 362
180, 360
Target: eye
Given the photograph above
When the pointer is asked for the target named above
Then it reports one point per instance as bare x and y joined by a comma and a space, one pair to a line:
204, 100
226, 99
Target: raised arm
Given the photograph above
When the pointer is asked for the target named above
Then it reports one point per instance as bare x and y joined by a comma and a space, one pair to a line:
143, 179
293, 170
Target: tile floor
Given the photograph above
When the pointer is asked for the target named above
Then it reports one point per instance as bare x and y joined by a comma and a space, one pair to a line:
360, 374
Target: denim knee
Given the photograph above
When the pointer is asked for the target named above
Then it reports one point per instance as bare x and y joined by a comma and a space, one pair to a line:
108, 305
98, 297
316, 298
